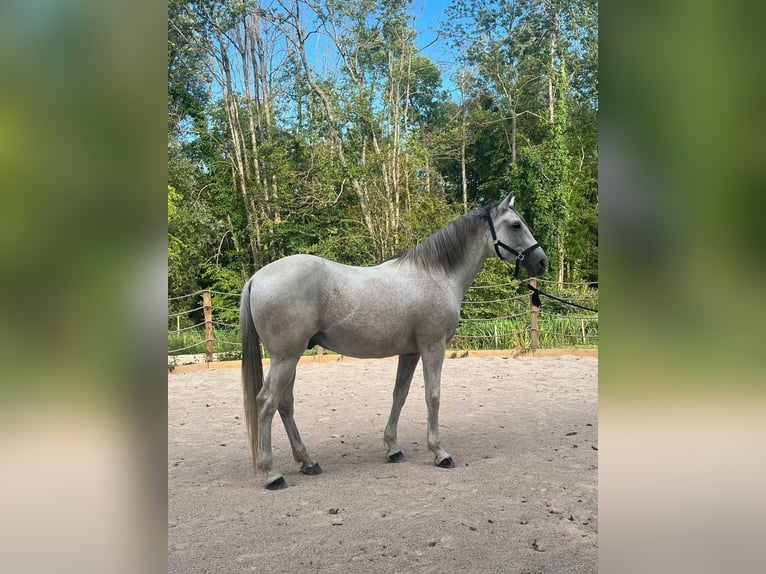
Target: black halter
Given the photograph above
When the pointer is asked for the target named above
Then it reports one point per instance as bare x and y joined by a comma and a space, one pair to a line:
520, 256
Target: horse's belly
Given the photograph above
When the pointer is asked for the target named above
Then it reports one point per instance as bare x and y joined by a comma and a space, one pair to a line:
387, 334
365, 345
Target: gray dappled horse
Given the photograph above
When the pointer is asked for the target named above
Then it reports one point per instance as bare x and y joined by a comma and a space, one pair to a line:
407, 306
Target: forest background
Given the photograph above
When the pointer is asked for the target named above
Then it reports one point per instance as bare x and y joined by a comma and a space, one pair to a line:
352, 129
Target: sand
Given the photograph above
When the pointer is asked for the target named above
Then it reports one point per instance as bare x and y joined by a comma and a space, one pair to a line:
523, 497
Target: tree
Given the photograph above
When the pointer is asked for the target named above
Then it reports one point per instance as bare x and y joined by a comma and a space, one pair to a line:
322, 127
526, 136
187, 81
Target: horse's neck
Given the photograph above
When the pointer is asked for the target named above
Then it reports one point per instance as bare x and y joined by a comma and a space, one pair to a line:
470, 255
473, 260
465, 274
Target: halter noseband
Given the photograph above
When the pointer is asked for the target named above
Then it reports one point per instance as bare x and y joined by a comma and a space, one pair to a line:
520, 255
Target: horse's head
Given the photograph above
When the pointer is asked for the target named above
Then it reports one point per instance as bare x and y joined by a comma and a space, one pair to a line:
512, 241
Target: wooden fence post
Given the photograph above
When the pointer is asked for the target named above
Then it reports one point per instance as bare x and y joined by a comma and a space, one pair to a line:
207, 309
533, 316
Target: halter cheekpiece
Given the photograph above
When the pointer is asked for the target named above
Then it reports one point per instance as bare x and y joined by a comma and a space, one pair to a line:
520, 255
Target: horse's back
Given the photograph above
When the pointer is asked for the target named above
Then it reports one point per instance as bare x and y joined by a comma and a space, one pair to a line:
305, 283
374, 311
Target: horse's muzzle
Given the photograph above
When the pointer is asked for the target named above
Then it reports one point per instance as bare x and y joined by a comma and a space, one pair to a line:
536, 263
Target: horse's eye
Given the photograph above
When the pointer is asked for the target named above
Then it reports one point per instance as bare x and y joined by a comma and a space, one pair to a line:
516, 225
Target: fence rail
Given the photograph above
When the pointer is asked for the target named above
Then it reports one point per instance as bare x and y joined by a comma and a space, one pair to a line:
489, 320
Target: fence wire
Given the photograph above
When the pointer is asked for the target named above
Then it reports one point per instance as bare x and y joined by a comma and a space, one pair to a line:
176, 350
494, 319
505, 334
184, 296
504, 322
485, 302
182, 313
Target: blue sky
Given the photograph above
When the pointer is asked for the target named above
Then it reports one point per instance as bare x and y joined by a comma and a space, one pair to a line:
429, 15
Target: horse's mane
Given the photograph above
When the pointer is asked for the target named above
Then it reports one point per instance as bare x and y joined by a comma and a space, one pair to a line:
445, 249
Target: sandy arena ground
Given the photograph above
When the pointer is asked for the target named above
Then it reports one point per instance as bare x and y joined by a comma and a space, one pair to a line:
523, 498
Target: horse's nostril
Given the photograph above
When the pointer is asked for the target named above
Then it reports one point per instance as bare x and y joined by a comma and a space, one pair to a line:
544, 262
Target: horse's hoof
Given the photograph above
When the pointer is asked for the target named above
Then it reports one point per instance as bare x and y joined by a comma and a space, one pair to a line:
312, 470
398, 456
277, 484
446, 463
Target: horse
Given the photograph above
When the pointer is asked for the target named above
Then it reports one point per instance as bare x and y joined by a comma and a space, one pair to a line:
407, 306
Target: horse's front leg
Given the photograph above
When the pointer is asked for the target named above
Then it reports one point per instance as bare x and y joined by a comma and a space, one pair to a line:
432, 372
404, 372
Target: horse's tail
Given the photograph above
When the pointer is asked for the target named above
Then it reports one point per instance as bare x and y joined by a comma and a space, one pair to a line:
252, 368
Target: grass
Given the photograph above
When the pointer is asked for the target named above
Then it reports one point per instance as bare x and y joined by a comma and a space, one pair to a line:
492, 319
192, 341
226, 344
554, 332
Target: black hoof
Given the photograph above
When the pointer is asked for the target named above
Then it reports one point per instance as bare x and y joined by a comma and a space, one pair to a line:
277, 484
447, 463
312, 470
396, 457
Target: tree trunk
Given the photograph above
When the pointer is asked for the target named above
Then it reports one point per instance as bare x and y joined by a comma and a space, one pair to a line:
514, 133
463, 180
258, 58
551, 101
299, 41
560, 274
241, 169
258, 176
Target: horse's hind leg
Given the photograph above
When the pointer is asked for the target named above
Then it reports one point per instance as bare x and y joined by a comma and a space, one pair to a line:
404, 372
286, 411
281, 374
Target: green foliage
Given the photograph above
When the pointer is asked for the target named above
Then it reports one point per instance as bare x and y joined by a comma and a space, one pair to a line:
174, 244
499, 317
379, 168
533, 89
496, 318
187, 78
226, 285
192, 342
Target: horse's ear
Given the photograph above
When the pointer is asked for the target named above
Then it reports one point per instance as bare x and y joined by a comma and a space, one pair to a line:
508, 201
